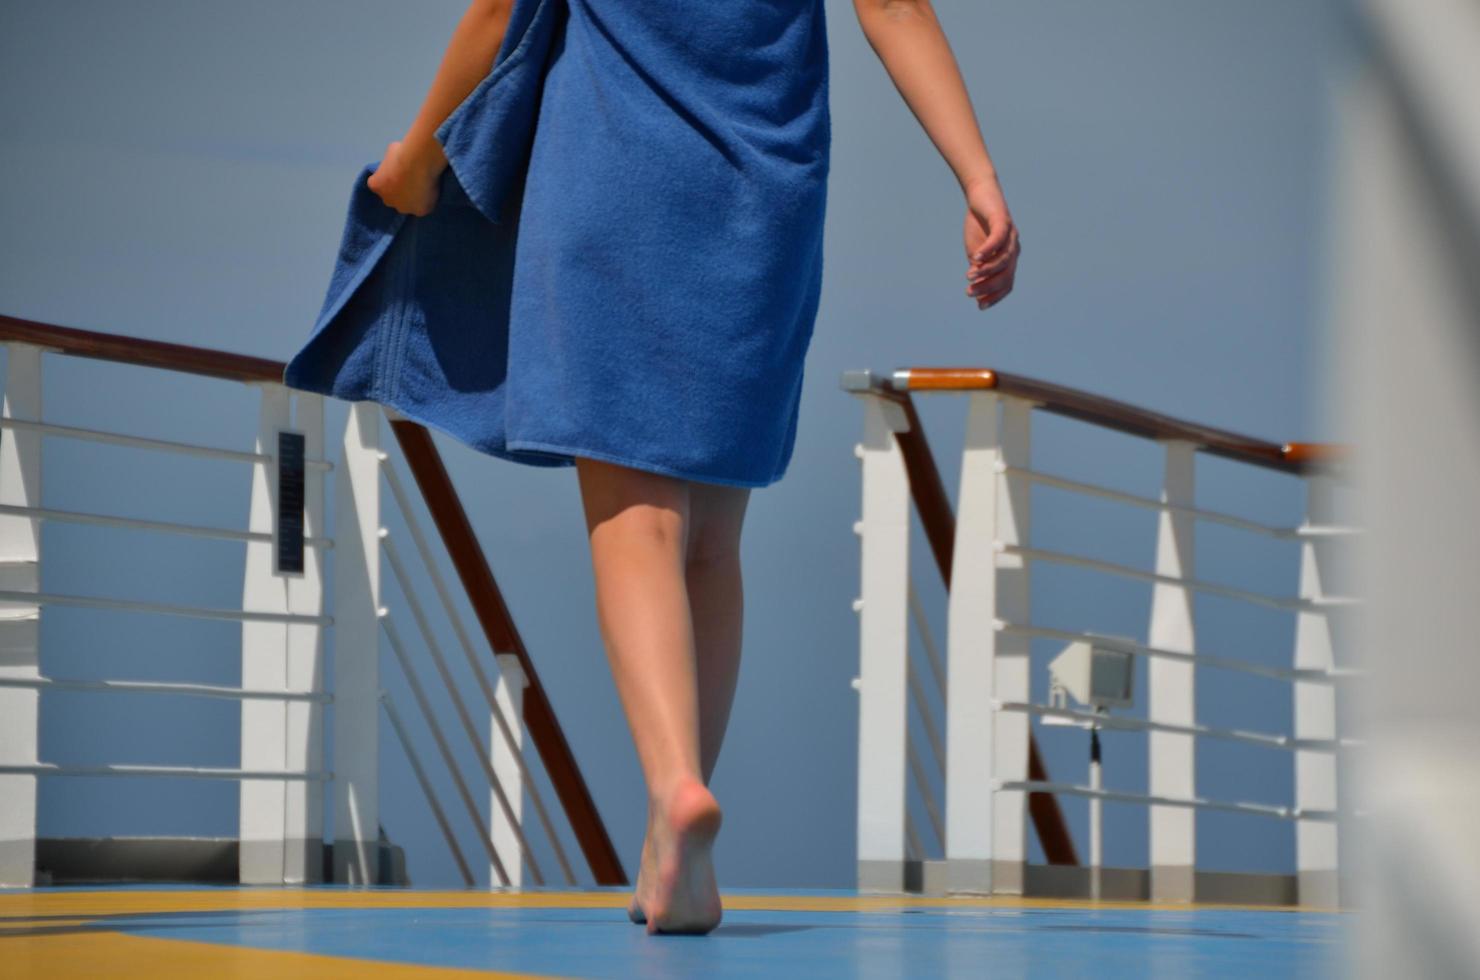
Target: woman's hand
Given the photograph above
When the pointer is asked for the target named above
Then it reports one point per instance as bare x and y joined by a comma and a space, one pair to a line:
407, 181
992, 245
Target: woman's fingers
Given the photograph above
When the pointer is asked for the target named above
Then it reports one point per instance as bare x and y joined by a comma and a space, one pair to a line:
981, 268
989, 287
991, 284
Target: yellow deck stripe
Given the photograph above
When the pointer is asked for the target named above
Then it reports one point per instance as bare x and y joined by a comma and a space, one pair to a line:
135, 902
111, 954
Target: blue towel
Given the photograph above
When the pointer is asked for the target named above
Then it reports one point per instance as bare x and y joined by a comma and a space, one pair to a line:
625, 258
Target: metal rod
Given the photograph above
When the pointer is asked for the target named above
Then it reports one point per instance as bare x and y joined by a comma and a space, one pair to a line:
927, 795
1096, 858
914, 845
1112, 567
144, 442
460, 709
1287, 742
113, 520
927, 717
431, 719
1149, 503
161, 687
164, 608
188, 772
1259, 809
426, 788
1202, 659
454, 618
927, 640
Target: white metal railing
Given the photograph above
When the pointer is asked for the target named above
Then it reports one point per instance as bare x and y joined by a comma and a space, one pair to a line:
282, 695
984, 684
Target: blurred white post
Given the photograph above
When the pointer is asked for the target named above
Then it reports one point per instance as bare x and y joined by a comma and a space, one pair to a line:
20, 622
985, 829
357, 650
1315, 711
264, 653
509, 695
1171, 689
304, 859
1405, 375
883, 630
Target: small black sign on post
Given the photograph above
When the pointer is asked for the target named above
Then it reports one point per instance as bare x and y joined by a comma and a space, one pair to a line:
289, 533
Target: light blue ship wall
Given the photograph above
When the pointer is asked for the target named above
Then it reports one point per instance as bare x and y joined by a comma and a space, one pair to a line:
179, 170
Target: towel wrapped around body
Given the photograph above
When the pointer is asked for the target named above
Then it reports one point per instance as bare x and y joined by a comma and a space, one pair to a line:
625, 258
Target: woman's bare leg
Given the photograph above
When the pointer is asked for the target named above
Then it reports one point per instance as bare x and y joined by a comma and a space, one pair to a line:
638, 524
716, 603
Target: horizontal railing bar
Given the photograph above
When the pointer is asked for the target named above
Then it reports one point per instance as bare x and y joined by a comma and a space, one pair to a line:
147, 442
1200, 659
1197, 585
140, 523
168, 609
1192, 803
187, 772
1150, 503
1326, 531
163, 687
1123, 723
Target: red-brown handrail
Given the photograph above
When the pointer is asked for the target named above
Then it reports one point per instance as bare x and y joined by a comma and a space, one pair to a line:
1297, 457
447, 511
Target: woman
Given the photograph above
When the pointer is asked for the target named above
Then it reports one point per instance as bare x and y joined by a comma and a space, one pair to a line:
674, 202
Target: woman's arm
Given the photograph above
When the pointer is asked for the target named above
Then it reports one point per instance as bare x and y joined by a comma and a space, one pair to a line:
909, 41
407, 177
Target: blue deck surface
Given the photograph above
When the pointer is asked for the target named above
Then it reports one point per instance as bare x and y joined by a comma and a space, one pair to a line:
812, 934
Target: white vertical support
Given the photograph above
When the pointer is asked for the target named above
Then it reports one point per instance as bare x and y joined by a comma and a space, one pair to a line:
509, 695
883, 631
971, 646
1170, 684
304, 860
1315, 711
1011, 653
357, 650
264, 655
20, 622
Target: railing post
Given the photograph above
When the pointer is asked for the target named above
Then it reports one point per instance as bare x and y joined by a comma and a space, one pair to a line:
509, 695
357, 649
883, 631
20, 571
263, 803
1315, 711
304, 860
1171, 691
1011, 654
985, 828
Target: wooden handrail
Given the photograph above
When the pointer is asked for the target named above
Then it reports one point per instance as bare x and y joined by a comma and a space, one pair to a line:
1296, 457
452, 523
139, 351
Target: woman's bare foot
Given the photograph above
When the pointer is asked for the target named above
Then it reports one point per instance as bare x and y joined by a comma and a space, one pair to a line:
683, 895
645, 875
